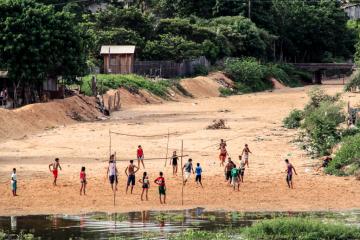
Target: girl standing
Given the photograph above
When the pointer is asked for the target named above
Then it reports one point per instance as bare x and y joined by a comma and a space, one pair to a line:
145, 186
82, 180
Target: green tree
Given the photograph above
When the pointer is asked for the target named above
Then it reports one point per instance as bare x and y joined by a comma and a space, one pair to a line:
36, 42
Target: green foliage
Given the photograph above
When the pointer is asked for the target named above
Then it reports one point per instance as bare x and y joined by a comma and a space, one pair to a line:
248, 74
37, 42
321, 126
200, 70
300, 229
347, 159
131, 82
2, 235
288, 78
225, 92
318, 96
294, 119
354, 83
204, 235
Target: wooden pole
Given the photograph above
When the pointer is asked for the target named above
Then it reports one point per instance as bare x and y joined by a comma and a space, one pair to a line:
115, 180
182, 173
167, 147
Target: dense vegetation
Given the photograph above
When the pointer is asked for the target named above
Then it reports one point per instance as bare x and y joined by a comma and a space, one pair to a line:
278, 228
44, 38
131, 82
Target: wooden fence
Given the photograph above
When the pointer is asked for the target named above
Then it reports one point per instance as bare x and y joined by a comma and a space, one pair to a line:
169, 69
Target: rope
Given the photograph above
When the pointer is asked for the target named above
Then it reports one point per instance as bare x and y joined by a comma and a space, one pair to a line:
145, 136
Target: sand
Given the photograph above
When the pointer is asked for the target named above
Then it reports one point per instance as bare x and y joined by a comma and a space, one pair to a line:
255, 119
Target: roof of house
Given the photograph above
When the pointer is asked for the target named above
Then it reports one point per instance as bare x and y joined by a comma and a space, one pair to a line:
117, 49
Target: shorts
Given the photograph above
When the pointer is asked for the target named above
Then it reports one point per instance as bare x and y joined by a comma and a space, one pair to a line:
83, 181
223, 155
187, 175
162, 190
55, 173
174, 163
241, 172
131, 180
234, 180
198, 178
145, 186
140, 158
289, 177
246, 158
325, 164
228, 175
113, 178
14, 185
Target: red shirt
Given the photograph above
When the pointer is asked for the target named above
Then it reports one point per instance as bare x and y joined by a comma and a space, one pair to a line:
82, 175
140, 152
160, 181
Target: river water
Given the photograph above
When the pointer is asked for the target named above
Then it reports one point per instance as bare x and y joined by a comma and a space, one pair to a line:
146, 224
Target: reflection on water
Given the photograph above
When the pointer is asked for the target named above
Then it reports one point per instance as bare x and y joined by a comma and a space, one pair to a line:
146, 224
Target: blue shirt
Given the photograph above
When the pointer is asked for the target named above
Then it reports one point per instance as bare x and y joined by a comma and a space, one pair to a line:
198, 171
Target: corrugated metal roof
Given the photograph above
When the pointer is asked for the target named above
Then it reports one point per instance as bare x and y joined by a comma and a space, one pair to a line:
117, 49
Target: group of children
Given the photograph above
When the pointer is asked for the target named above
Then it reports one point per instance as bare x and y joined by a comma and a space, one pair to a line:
233, 175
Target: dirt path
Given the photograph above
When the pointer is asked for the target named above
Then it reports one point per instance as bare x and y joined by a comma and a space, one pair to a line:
254, 119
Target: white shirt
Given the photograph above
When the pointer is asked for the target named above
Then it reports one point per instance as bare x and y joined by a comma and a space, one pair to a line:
13, 177
112, 169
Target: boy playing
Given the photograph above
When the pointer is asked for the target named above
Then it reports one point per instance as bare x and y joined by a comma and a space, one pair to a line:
14, 182
130, 173
112, 172
162, 188
235, 179
245, 153
174, 162
289, 172
188, 167
242, 169
198, 171
53, 167
140, 156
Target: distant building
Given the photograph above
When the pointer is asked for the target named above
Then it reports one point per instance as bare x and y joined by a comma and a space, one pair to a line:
352, 10
118, 59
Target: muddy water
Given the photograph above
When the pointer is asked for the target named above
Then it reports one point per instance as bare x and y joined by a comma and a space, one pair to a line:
147, 224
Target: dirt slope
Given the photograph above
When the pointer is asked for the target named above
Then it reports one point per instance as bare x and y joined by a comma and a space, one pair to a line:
36, 117
203, 87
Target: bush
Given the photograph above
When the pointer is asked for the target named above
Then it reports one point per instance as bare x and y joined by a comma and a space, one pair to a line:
353, 84
293, 120
248, 74
200, 70
284, 74
347, 159
224, 92
300, 228
130, 81
321, 126
317, 96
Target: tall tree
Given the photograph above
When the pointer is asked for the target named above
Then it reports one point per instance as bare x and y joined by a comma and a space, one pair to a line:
36, 42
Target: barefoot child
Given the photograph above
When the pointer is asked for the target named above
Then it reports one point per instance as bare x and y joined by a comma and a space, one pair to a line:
112, 172
130, 173
140, 156
227, 170
245, 153
53, 167
235, 179
289, 173
242, 169
145, 186
223, 152
160, 181
174, 162
14, 182
187, 169
82, 180
198, 171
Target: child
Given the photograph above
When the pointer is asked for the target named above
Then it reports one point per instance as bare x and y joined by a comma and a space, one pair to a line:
198, 171
140, 156
82, 180
188, 168
145, 185
174, 162
289, 172
241, 169
162, 188
245, 153
235, 178
14, 182
53, 167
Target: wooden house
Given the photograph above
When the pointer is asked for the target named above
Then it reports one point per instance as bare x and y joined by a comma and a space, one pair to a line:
118, 59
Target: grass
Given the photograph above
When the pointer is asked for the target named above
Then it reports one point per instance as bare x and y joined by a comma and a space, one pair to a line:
300, 228
131, 82
347, 158
161, 217
113, 217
